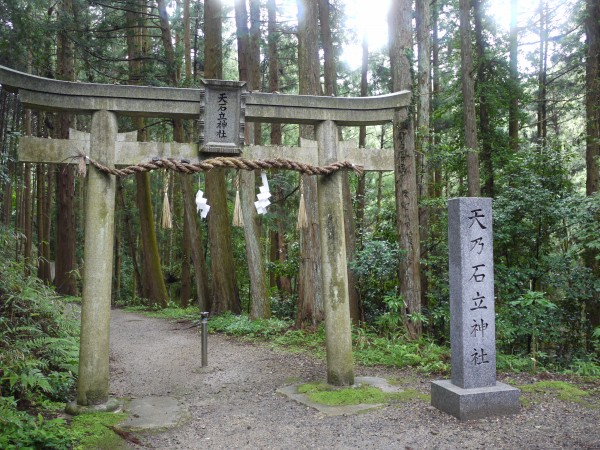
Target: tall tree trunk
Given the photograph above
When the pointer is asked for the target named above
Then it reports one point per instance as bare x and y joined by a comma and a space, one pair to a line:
43, 267
542, 123
513, 112
187, 41
484, 116
195, 243
185, 293
153, 285
435, 62
5, 102
224, 288
468, 91
248, 65
361, 187
423, 24
27, 200
592, 28
407, 211
137, 277
65, 281
284, 284
310, 292
254, 60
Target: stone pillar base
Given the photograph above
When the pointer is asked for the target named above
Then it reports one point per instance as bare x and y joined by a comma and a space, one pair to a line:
477, 403
112, 405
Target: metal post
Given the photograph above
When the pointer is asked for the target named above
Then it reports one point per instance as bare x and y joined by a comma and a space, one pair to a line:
204, 338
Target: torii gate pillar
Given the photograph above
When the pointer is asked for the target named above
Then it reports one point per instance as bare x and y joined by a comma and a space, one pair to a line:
93, 379
338, 336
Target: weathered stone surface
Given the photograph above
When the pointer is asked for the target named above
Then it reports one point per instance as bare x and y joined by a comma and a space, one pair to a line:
92, 383
33, 149
473, 392
341, 410
472, 321
222, 120
338, 338
178, 103
476, 403
153, 412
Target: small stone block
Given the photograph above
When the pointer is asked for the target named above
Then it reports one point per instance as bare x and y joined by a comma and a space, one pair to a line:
475, 403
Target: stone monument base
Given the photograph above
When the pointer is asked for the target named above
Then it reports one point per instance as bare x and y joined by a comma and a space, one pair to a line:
476, 403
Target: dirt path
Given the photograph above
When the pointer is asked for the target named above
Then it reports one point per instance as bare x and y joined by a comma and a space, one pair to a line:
234, 405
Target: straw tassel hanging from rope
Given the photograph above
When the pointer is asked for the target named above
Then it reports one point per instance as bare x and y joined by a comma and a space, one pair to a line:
167, 221
238, 218
302, 217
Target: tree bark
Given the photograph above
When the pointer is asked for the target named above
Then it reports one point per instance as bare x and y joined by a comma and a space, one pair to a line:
65, 280
542, 122
187, 41
513, 112
484, 116
435, 62
153, 283
195, 242
279, 248
225, 293
468, 91
248, 65
405, 168
423, 24
592, 28
362, 142
310, 292
137, 276
27, 201
154, 287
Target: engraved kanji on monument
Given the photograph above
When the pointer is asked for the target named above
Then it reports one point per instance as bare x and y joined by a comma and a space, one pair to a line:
473, 391
222, 116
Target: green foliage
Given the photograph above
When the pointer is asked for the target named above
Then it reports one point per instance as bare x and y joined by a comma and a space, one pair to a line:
376, 266
39, 350
242, 326
93, 431
561, 389
172, 312
19, 430
363, 394
328, 395
372, 349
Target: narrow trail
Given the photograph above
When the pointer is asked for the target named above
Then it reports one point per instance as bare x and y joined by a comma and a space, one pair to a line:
233, 404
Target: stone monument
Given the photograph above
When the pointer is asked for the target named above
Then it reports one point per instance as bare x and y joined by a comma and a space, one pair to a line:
472, 392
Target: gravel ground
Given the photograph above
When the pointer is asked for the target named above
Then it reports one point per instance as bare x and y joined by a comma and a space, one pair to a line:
234, 405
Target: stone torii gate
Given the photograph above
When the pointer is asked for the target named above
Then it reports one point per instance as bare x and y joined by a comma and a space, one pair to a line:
105, 102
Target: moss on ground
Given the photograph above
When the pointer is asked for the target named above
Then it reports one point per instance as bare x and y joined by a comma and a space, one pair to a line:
93, 431
326, 394
562, 390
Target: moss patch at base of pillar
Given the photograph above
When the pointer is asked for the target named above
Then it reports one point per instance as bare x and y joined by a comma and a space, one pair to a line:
112, 405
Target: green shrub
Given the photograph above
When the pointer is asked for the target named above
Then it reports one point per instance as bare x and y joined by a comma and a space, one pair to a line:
19, 430
39, 351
